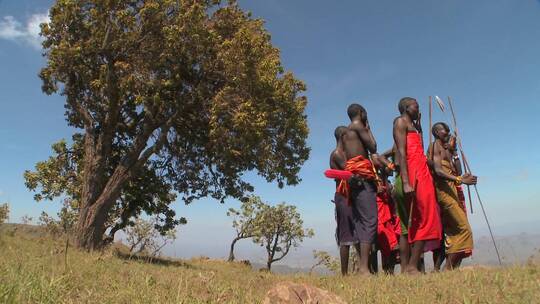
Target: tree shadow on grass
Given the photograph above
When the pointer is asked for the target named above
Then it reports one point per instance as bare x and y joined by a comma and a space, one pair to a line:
154, 260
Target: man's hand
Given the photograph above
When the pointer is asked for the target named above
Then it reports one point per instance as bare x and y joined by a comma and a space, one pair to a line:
418, 123
407, 189
469, 179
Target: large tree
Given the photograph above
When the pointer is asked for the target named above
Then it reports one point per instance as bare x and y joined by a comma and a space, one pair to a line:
191, 92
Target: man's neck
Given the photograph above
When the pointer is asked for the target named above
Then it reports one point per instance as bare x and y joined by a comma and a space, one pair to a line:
406, 117
339, 146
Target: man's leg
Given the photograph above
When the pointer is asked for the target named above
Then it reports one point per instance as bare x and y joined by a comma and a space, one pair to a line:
417, 249
389, 263
453, 261
365, 217
344, 256
365, 249
439, 255
404, 252
373, 260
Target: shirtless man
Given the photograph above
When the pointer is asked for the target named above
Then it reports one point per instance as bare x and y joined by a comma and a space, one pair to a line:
359, 145
424, 227
345, 233
459, 240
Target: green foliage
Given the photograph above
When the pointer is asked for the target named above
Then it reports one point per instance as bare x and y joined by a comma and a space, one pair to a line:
60, 175
187, 94
67, 217
26, 219
247, 221
4, 212
280, 230
143, 237
323, 258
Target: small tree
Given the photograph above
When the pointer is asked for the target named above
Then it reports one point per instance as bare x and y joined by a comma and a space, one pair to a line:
246, 221
144, 237
281, 228
4, 213
323, 258
26, 219
67, 217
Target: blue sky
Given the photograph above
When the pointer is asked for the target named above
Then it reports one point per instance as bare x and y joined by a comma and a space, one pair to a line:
483, 53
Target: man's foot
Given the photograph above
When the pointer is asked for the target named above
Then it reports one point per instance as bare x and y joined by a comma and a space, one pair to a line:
364, 272
411, 270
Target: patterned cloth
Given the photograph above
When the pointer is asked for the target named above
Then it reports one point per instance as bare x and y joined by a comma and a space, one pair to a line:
457, 230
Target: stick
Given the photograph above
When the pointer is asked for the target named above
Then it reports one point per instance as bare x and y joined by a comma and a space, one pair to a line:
489, 226
458, 138
430, 122
468, 168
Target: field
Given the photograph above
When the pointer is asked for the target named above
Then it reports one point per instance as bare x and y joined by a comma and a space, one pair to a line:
35, 269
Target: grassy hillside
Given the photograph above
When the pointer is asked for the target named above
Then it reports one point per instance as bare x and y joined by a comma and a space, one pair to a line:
33, 269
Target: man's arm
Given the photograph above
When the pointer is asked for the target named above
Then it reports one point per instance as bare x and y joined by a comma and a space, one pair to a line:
336, 161
364, 132
388, 153
457, 164
467, 178
400, 139
437, 163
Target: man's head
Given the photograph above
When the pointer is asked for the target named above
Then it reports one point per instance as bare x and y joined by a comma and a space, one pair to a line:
339, 132
355, 110
410, 106
441, 131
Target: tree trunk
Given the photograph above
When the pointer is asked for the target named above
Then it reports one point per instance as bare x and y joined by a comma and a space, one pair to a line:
269, 264
92, 217
99, 192
231, 252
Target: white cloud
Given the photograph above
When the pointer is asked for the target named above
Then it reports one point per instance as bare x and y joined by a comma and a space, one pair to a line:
27, 33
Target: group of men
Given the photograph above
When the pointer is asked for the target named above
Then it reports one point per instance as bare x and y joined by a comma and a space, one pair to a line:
423, 210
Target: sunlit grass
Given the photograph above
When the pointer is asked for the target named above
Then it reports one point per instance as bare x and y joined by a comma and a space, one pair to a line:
33, 269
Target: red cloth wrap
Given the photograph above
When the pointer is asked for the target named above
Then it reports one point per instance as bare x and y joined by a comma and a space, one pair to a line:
388, 229
461, 197
425, 219
359, 166
338, 174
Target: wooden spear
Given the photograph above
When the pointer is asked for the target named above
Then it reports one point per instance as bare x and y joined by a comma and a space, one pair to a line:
468, 168
430, 124
458, 139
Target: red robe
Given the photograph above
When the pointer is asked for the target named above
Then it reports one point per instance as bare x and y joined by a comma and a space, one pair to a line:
425, 220
388, 228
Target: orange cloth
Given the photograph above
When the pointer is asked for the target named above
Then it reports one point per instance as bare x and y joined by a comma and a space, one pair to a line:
359, 166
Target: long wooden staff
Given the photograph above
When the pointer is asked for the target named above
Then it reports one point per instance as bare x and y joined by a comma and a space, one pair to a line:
468, 168
458, 139
430, 122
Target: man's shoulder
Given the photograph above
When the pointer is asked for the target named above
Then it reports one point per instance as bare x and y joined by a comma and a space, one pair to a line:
400, 122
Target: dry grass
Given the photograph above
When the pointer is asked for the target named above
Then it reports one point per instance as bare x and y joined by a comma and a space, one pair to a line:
32, 270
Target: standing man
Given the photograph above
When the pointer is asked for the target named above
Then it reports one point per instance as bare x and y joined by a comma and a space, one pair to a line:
424, 228
459, 240
361, 192
345, 233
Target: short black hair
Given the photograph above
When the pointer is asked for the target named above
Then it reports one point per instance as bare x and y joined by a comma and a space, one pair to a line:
354, 110
402, 105
434, 128
338, 133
